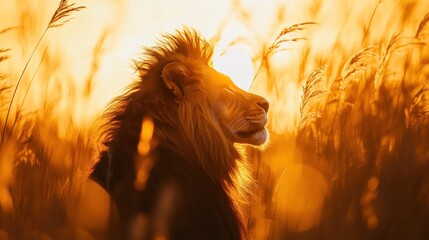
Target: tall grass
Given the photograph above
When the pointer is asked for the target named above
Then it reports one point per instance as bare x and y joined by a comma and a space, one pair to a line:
44, 155
368, 144
354, 166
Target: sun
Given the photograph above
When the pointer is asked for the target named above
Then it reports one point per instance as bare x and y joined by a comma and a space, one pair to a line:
237, 64
233, 56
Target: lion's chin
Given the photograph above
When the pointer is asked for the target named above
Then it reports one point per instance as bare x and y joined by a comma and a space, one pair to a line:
256, 138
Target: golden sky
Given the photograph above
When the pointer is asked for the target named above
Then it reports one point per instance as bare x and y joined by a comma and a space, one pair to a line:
124, 26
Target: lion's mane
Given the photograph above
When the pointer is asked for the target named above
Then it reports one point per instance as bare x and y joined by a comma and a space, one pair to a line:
193, 152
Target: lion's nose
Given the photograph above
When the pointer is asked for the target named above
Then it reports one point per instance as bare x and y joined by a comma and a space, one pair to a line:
263, 103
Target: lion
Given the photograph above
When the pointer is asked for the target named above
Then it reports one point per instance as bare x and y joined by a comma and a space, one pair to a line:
199, 117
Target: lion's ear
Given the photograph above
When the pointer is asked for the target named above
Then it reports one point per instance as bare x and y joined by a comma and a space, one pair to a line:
174, 75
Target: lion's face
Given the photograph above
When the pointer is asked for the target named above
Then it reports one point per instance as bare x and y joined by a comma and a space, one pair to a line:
242, 114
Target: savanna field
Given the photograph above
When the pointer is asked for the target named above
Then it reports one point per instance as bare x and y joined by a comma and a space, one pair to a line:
347, 82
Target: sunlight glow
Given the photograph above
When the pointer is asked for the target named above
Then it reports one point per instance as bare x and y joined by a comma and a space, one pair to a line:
233, 58
237, 64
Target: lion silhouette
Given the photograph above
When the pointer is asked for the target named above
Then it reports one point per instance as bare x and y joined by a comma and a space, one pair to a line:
199, 180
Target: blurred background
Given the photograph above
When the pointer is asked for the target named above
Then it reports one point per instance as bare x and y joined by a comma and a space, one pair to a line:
347, 83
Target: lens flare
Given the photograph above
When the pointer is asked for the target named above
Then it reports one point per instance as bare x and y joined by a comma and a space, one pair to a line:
301, 192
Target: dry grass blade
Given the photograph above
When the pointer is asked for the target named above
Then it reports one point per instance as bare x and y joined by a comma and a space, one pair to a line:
370, 22
3, 50
3, 90
97, 53
62, 13
4, 57
385, 57
3, 76
418, 108
359, 62
396, 43
3, 87
282, 37
7, 30
233, 43
277, 45
423, 29
311, 91
32, 78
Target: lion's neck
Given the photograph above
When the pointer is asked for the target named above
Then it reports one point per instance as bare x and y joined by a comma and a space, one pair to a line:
205, 150
196, 136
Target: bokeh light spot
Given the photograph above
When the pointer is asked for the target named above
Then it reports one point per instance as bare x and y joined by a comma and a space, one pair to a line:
373, 183
301, 192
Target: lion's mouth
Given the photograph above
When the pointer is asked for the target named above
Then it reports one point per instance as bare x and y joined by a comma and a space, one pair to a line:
252, 131
246, 134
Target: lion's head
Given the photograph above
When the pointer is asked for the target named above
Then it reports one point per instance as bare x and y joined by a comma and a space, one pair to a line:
242, 115
198, 112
